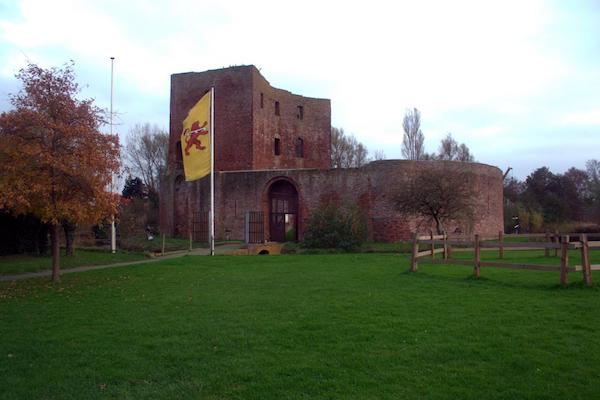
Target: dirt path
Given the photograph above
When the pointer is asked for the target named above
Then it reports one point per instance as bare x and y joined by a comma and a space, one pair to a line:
219, 250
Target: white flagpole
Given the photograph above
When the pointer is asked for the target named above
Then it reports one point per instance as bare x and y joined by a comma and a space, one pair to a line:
212, 172
113, 231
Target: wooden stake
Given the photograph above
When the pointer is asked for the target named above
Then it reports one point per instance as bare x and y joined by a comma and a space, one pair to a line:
163, 245
564, 261
415, 250
445, 246
501, 247
585, 260
477, 257
432, 245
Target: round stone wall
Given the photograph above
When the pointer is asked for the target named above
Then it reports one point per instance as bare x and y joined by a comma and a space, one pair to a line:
373, 187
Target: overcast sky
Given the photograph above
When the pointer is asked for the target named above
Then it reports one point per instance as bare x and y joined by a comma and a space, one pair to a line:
517, 81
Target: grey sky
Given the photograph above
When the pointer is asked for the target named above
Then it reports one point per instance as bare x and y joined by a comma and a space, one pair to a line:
517, 81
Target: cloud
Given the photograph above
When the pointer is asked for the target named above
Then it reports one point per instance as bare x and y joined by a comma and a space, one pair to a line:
508, 73
583, 118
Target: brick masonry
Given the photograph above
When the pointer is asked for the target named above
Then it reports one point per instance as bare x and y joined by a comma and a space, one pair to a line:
247, 167
246, 123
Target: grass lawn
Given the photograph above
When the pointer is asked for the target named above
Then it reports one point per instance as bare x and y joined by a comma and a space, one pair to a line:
298, 327
528, 257
141, 243
367, 247
18, 264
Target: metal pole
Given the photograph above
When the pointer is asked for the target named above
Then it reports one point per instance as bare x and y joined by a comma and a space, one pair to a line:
212, 172
113, 231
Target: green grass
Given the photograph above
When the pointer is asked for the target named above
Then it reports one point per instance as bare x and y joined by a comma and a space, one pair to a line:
517, 239
528, 256
383, 247
141, 243
21, 263
349, 326
367, 247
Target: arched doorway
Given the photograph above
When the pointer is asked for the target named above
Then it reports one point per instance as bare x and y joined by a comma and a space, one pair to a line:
283, 212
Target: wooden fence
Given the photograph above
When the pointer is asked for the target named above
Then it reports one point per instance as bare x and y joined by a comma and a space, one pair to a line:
554, 242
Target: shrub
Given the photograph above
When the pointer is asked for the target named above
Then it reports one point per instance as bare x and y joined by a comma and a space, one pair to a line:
337, 226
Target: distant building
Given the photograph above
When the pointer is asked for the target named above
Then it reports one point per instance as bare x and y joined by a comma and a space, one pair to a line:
273, 163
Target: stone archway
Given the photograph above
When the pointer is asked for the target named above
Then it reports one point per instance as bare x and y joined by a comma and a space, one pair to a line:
283, 211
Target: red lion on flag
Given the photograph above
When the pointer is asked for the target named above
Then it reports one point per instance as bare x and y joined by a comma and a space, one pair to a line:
192, 136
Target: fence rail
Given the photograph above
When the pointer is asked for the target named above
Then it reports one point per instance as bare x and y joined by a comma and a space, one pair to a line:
564, 243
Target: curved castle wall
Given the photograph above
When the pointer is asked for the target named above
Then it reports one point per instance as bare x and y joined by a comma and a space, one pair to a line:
372, 187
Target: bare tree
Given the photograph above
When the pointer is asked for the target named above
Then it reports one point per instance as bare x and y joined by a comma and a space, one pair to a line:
464, 154
451, 150
360, 153
379, 155
439, 194
146, 153
593, 171
413, 140
339, 147
346, 151
448, 148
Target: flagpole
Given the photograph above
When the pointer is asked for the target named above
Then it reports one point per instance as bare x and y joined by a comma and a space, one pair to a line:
212, 172
113, 231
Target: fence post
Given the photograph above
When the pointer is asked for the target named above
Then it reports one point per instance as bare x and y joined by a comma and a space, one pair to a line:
564, 260
162, 253
546, 249
432, 245
477, 257
415, 250
585, 260
445, 246
501, 247
557, 239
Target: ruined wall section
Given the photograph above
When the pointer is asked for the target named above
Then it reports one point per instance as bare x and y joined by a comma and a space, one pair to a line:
279, 114
372, 187
388, 176
233, 114
247, 121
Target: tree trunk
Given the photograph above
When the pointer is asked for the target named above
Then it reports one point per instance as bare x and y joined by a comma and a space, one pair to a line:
438, 226
55, 238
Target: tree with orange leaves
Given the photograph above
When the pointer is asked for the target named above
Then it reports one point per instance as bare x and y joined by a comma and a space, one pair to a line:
54, 162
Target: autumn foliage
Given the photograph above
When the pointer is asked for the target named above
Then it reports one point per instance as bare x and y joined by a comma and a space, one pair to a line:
54, 162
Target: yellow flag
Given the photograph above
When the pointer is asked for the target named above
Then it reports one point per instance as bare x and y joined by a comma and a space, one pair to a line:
195, 140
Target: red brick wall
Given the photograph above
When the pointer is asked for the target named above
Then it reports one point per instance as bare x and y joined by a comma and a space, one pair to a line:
372, 187
233, 118
314, 128
245, 131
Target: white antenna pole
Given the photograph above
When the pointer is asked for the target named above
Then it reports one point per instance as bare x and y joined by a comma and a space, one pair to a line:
113, 231
212, 172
